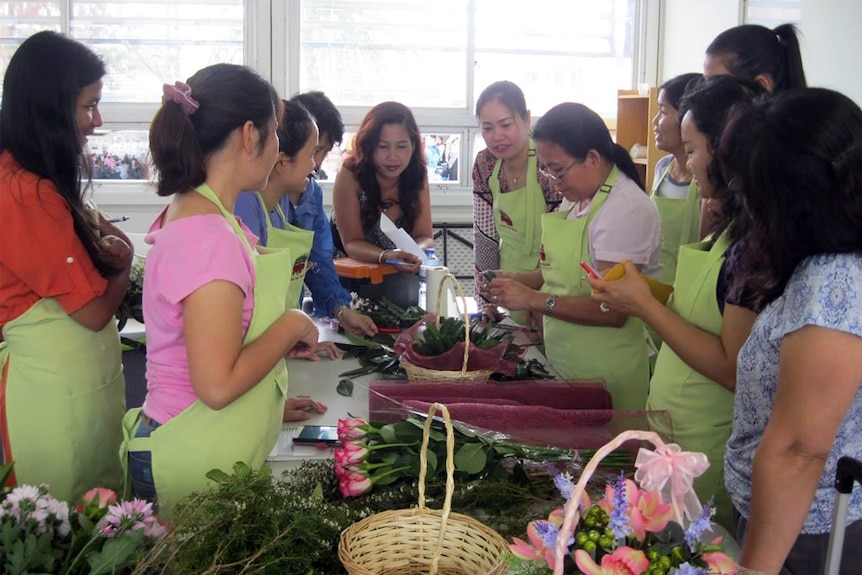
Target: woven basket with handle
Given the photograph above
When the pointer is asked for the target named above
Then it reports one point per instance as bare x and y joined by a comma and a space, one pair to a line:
416, 373
422, 540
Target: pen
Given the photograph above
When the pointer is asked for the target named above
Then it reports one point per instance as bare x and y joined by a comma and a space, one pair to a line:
396, 262
118, 219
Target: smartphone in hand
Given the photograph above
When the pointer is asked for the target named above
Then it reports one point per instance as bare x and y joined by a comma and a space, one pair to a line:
591, 271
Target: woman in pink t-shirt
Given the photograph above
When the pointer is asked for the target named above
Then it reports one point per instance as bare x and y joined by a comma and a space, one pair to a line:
216, 335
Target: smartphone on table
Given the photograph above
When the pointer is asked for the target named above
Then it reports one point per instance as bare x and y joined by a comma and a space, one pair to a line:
326, 435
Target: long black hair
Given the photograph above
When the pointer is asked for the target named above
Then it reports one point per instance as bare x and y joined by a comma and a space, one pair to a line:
229, 96
752, 50
577, 130
710, 103
796, 162
360, 161
39, 127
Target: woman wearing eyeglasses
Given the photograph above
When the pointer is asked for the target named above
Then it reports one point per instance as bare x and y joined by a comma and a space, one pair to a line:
604, 219
510, 193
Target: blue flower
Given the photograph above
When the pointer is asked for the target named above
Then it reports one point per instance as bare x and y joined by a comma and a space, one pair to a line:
686, 569
549, 534
697, 527
619, 520
564, 483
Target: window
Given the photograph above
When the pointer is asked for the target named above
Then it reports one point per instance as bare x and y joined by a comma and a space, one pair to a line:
557, 51
440, 55
144, 43
435, 57
771, 13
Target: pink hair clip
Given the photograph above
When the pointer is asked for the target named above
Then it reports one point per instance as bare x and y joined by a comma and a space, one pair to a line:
180, 93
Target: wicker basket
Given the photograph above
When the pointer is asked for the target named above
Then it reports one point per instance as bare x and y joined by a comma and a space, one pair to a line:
416, 373
421, 540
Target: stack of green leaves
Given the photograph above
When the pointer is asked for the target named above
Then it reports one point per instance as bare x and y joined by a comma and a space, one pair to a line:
387, 314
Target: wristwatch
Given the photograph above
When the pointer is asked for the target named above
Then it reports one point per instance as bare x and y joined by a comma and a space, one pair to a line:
550, 303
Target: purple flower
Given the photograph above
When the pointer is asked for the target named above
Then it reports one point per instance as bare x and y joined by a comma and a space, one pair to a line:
699, 525
549, 534
564, 483
686, 569
136, 514
619, 521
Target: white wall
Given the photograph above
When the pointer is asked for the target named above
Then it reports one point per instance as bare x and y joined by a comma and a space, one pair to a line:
832, 45
688, 26
831, 42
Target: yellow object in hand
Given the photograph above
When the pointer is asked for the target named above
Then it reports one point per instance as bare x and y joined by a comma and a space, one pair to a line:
660, 291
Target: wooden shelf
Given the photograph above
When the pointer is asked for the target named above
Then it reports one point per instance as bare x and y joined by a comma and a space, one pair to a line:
634, 126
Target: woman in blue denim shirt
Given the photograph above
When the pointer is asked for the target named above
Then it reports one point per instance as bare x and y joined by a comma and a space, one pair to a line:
796, 161
304, 209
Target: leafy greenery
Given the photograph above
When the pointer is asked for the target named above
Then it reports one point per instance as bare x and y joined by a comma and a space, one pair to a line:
434, 340
387, 314
254, 523
132, 304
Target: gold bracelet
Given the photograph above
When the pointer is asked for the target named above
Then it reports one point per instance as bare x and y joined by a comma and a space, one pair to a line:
380, 257
339, 311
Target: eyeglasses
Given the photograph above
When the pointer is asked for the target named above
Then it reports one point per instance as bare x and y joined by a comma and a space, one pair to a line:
562, 173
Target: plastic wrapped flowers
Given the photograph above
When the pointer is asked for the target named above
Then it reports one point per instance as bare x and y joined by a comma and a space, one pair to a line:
656, 528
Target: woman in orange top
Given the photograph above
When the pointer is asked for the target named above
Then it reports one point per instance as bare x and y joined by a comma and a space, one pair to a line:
63, 274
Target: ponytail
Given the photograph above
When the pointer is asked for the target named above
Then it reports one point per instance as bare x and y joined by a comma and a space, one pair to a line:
751, 50
624, 162
188, 129
175, 150
794, 74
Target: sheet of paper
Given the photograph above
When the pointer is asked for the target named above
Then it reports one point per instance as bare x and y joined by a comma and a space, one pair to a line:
399, 237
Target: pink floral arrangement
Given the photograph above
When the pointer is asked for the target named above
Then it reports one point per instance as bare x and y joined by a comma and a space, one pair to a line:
101, 535
656, 528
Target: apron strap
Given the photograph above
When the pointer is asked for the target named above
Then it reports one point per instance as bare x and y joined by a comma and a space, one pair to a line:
209, 194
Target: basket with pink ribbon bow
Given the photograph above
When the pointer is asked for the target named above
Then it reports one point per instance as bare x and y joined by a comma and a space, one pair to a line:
652, 525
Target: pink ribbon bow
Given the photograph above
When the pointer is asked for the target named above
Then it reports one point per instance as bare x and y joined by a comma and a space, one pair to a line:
670, 471
180, 93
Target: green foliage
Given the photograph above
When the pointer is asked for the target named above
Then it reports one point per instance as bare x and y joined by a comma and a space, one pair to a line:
251, 523
387, 314
132, 304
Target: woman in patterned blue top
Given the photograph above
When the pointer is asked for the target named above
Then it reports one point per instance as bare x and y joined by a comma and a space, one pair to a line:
796, 161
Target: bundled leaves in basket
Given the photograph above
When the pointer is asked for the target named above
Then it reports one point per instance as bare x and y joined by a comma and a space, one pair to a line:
380, 454
439, 345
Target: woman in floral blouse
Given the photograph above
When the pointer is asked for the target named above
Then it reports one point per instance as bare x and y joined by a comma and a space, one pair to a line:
796, 161
510, 191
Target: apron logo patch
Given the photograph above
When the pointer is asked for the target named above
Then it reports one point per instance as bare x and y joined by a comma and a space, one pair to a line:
299, 266
506, 219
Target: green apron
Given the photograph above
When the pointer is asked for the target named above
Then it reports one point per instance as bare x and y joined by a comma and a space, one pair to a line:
199, 439
701, 410
299, 242
618, 355
65, 398
680, 224
517, 218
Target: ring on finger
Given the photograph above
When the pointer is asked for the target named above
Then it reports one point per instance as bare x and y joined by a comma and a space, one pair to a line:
604, 307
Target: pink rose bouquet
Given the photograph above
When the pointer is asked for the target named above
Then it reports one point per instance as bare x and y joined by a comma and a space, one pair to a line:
379, 454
